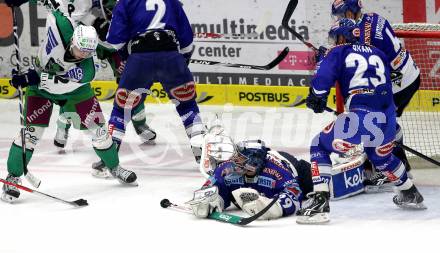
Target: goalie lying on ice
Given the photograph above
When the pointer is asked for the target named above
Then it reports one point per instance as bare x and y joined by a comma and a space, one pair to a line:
249, 174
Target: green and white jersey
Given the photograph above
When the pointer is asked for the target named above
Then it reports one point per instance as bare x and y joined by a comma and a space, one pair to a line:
58, 74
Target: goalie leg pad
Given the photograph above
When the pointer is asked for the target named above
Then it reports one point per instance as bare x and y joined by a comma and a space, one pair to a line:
250, 201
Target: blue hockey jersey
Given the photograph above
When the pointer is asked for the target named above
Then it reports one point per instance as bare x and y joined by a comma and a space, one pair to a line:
276, 178
134, 17
375, 30
362, 72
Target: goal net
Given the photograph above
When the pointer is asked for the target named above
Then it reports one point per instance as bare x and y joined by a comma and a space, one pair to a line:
421, 119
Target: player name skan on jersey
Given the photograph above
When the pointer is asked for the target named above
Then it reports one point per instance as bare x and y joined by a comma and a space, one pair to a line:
362, 48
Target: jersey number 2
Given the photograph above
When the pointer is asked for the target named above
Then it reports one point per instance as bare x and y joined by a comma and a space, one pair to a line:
160, 12
359, 62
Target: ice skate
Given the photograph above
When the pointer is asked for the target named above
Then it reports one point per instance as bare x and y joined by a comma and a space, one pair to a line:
11, 193
124, 176
378, 182
316, 209
101, 171
147, 135
409, 199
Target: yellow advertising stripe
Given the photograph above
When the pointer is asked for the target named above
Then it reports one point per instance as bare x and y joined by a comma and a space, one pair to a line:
240, 95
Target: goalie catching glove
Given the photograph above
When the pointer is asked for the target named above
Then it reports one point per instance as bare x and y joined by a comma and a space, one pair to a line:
206, 201
250, 201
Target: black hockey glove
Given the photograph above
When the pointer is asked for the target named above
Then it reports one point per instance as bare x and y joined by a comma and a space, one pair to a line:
317, 104
15, 3
101, 26
30, 77
320, 54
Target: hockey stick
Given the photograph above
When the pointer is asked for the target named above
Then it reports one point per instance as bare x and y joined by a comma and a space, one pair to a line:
31, 178
417, 153
401, 145
285, 23
76, 203
269, 66
222, 216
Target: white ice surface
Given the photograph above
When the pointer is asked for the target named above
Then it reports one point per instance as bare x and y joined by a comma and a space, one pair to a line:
129, 219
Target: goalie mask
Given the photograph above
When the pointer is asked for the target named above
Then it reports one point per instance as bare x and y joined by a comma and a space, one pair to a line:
250, 157
344, 31
340, 7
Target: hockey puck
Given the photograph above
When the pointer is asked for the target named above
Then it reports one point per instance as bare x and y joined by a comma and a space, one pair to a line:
81, 202
165, 203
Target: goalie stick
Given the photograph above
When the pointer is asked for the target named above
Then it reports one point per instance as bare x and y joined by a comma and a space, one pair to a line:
76, 203
269, 66
222, 216
285, 23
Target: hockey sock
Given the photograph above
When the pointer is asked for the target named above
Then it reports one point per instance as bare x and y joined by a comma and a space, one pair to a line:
15, 160
109, 156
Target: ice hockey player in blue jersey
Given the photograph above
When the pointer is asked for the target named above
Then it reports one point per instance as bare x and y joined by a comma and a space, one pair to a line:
405, 75
369, 123
159, 40
249, 175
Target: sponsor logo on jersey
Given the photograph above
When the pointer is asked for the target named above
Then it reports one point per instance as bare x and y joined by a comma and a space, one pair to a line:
379, 28
127, 99
315, 169
354, 180
342, 146
273, 172
398, 61
234, 179
184, 92
367, 33
263, 97
385, 149
75, 73
266, 182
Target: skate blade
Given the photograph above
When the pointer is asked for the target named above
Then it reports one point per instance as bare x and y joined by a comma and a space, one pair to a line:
316, 219
378, 188
102, 174
8, 198
412, 206
133, 184
149, 143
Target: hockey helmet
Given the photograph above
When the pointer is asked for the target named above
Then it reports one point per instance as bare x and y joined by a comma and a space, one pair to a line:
340, 7
85, 39
346, 28
251, 155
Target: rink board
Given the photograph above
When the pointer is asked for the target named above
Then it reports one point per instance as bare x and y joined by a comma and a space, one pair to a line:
240, 95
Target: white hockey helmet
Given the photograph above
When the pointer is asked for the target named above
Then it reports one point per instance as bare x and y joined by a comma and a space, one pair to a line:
85, 38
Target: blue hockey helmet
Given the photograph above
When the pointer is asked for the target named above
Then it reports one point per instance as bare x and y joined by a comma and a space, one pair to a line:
340, 7
345, 27
251, 155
